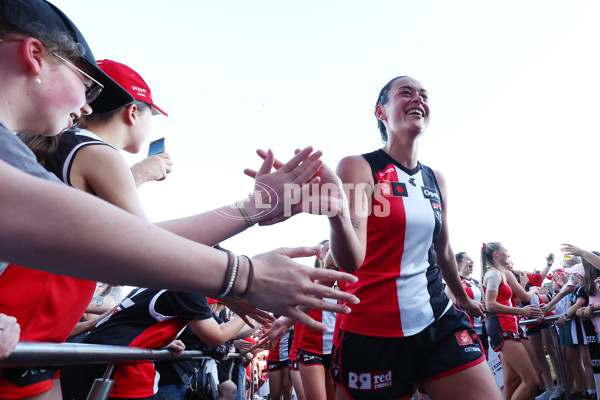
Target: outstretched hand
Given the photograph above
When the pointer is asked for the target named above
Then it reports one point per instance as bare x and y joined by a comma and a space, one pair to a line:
280, 285
277, 183
247, 311
571, 250
323, 194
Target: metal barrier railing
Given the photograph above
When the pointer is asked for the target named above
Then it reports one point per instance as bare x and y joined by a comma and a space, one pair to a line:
58, 354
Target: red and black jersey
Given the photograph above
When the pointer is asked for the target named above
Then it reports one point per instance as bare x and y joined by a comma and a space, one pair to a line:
399, 285
316, 341
146, 318
497, 323
297, 336
281, 349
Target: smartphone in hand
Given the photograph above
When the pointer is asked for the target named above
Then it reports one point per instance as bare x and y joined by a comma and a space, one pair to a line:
157, 146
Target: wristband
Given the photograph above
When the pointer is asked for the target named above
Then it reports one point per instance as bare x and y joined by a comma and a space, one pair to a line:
230, 261
233, 275
247, 217
249, 283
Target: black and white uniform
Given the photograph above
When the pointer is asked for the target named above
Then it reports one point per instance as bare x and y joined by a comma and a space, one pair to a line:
71, 141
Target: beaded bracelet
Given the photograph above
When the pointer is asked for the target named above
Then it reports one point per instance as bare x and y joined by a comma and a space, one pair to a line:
230, 261
236, 261
249, 283
247, 217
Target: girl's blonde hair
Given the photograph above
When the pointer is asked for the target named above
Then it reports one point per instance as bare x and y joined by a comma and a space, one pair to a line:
487, 258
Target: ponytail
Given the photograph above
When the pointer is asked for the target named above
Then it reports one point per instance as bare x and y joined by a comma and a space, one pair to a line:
487, 258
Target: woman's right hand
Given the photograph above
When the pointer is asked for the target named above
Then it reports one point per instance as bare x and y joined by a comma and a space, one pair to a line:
280, 285
571, 250
562, 321
531, 312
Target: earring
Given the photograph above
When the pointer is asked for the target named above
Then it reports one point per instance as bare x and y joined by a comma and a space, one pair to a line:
38, 80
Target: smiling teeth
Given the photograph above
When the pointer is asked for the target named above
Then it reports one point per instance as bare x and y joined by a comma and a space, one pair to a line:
418, 112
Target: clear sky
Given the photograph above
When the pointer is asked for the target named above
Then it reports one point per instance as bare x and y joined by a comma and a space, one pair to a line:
513, 89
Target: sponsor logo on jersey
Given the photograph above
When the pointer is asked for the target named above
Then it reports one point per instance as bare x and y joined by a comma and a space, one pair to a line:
412, 182
383, 174
463, 338
370, 380
387, 188
384, 188
431, 194
399, 189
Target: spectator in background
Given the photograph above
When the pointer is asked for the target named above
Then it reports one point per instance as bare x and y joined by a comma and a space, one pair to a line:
560, 303
499, 283
592, 289
153, 319
582, 329
539, 338
474, 291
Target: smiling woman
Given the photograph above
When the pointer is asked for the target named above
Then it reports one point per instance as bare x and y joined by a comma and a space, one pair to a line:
402, 254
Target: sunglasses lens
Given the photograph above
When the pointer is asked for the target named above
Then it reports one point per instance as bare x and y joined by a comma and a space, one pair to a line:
93, 94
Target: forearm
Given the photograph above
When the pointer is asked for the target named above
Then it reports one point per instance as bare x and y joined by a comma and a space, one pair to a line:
571, 311
230, 330
246, 331
450, 276
100, 304
82, 327
208, 228
497, 308
592, 259
66, 231
87, 326
346, 249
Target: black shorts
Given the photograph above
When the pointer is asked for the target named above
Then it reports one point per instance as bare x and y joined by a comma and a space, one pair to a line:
309, 358
497, 339
276, 365
537, 328
293, 364
483, 338
20, 382
369, 367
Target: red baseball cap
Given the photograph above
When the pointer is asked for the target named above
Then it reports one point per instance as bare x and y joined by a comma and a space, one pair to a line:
555, 272
131, 81
535, 279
